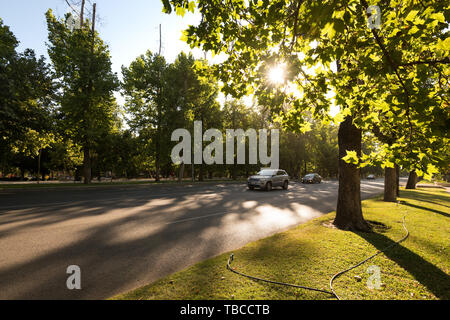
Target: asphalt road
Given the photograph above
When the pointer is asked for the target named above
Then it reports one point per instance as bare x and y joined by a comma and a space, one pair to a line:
123, 237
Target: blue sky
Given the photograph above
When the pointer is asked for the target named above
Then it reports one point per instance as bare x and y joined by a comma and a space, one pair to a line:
130, 28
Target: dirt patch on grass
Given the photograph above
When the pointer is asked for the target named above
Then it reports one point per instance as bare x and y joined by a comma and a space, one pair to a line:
377, 227
329, 224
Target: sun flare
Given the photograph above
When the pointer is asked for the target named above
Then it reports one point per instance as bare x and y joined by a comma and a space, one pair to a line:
277, 74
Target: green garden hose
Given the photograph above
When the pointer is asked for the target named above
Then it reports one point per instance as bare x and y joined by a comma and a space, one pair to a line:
231, 258
337, 275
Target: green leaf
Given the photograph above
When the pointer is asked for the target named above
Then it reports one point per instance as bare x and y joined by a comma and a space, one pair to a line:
192, 6
184, 36
438, 16
351, 157
443, 45
181, 11
411, 15
413, 30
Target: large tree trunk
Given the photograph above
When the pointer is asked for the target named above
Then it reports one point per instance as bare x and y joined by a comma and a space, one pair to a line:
390, 184
87, 165
412, 180
397, 177
348, 212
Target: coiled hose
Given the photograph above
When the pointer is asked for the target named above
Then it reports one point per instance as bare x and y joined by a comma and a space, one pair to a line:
337, 275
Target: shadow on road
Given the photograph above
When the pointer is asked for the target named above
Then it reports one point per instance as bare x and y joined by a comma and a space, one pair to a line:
131, 239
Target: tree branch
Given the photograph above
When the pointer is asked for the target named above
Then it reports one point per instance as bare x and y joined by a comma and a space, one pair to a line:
394, 66
430, 62
297, 10
71, 7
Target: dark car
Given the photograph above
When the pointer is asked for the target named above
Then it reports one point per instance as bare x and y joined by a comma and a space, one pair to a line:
268, 178
312, 178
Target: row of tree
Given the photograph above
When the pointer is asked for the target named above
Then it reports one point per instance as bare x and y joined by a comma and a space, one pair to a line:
63, 117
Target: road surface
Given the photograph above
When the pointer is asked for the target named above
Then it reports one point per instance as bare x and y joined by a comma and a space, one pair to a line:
123, 237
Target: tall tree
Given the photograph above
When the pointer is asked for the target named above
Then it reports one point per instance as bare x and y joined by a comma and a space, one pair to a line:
83, 67
204, 107
143, 85
26, 92
190, 94
302, 35
236, 116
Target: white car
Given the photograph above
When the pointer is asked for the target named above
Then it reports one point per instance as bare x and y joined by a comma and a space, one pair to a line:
268, 178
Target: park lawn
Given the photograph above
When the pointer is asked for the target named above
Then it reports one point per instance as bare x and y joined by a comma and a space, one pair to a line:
311, 253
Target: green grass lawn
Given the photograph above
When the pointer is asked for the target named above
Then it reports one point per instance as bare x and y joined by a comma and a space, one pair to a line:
311, 253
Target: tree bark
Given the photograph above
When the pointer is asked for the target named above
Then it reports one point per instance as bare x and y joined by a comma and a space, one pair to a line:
181, 173
390, 184
348, 212
234, 172
412, 180
39, 166
159, 136
200, 173
87, 165
397, 177
157, 160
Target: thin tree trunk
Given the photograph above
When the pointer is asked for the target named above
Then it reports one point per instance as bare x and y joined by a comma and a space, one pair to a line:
390, 184
412, 180
158, 156
200, 173
181, 173
39, 166
22, 174
159, 134
348, 212
87, 165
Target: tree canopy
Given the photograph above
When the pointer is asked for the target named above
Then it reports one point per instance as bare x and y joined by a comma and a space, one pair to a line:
395, 76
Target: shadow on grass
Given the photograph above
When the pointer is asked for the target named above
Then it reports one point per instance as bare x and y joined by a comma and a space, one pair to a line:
442, 200
425, 208
436, 280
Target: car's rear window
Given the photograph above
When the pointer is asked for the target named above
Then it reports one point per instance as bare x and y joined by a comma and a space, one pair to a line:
267, 172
